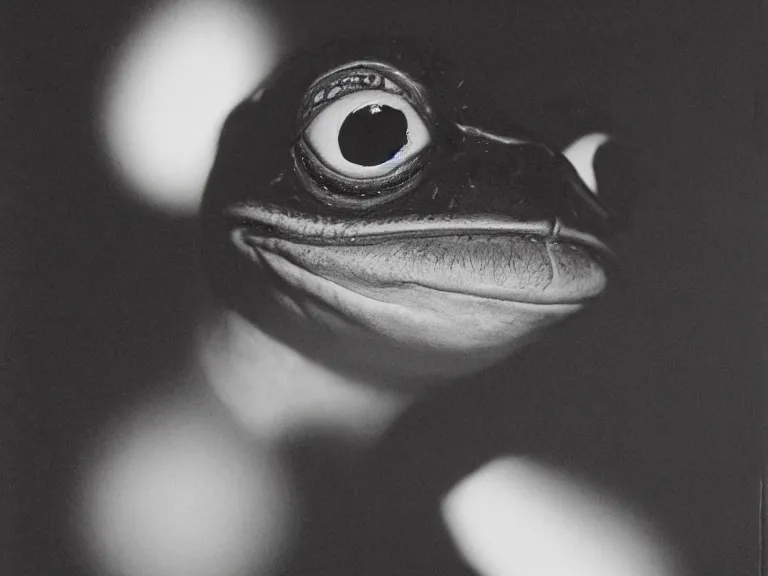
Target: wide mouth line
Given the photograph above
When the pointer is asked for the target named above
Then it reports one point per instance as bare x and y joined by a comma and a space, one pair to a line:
344, 233
293, 258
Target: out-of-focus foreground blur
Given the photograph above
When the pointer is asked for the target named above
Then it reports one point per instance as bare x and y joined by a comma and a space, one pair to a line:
110, 110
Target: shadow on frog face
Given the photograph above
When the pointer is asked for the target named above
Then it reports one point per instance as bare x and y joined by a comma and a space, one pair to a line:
365, 209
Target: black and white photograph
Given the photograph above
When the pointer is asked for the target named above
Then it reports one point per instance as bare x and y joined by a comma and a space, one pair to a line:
383, 288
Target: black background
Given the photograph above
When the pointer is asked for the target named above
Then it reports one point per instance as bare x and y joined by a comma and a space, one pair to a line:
655, 392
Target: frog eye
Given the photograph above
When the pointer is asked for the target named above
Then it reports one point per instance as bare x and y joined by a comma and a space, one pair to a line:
367, 134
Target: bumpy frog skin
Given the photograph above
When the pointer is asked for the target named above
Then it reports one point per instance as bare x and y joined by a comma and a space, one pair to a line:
371, 211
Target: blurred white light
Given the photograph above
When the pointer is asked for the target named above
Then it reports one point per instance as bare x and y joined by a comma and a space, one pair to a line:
276, 393
172, 84
173, 492
581, 154
515, 516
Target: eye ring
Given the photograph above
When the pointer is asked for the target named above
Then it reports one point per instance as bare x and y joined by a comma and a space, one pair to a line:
381, 124
334, 189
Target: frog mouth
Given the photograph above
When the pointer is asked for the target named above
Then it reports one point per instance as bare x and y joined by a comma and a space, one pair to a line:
326, 231
489, 256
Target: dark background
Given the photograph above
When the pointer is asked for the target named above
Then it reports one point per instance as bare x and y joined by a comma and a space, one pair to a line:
655, 392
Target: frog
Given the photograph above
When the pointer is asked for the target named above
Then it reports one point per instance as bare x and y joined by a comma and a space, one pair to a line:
376, 230
391, 220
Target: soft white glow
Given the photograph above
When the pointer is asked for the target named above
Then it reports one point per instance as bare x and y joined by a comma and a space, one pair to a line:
173, 492
581, 153
516, 517
276, 393
172, 84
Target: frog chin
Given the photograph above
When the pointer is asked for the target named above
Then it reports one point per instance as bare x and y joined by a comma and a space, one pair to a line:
403, 329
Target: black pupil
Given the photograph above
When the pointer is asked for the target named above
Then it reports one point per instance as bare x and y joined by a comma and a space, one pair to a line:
372, 135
